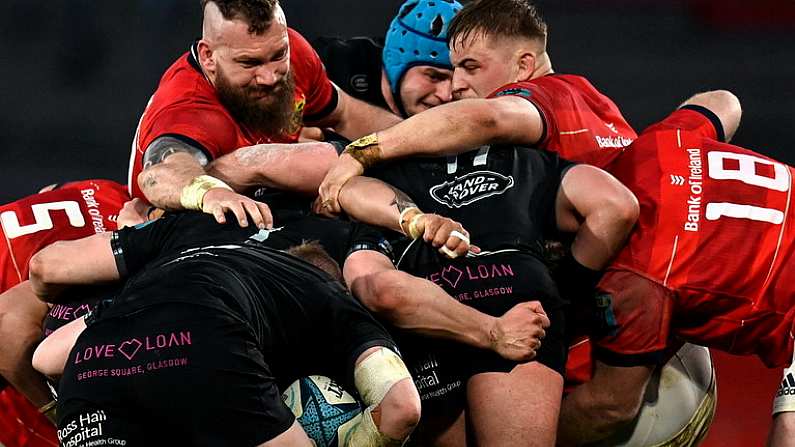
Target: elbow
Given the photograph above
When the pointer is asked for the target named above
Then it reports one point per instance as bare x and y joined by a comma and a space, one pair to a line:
42, 275
383, 294
626, 210
43, 360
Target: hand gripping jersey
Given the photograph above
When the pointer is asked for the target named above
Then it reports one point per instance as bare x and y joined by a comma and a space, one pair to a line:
580, 123
505, 197
73, 211
185, 106
713, 249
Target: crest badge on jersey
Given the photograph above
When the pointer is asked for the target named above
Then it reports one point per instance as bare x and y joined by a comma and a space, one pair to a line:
470, 188
297, 120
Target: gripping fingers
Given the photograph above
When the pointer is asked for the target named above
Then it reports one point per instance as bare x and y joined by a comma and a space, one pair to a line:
218, 213
254, 212
267, 217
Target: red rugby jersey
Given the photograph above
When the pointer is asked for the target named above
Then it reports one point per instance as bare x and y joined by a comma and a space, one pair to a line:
73, 211
580, 123
715, 227
185, 104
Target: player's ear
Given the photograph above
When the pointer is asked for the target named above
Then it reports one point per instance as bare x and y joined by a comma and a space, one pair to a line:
525, 65
206, 57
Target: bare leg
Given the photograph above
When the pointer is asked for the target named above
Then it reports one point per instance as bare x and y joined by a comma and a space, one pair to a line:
447, 430
517, 407
399, 411
21, 314
782, 433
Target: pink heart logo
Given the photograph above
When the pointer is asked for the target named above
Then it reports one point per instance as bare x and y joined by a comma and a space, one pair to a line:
452, 275
130, 347
82, 310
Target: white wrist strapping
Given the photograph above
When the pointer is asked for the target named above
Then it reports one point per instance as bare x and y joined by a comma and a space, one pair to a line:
785, 395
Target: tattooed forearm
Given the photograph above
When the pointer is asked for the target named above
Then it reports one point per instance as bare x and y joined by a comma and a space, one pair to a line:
401, 200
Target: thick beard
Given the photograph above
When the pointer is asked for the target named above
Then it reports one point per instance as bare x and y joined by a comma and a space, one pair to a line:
272, 117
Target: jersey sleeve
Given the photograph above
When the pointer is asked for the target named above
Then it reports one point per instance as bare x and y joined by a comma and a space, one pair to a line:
204, 126
134, 247
366, 237
536, 96
310, 75
693, 118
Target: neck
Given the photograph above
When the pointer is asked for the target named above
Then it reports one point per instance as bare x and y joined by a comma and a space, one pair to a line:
543, 66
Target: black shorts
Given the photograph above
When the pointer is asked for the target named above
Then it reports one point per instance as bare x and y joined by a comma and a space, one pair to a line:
492, 284
171, 374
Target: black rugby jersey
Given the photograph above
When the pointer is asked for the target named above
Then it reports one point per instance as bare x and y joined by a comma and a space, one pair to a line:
503, 195
284, 301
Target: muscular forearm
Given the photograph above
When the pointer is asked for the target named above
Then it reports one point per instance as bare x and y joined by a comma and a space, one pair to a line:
374, 202
461, 126
290, 167
162, 183
420, 306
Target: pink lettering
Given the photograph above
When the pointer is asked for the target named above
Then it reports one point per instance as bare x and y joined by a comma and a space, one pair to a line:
507, 270
483, 271
470, 275
161, 341
185, 338
434, 278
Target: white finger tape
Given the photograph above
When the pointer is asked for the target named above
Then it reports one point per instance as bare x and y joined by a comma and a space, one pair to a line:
449, 253
460, 235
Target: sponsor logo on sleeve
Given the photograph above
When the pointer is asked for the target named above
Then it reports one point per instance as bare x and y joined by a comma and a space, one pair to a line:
515, 92
470, 188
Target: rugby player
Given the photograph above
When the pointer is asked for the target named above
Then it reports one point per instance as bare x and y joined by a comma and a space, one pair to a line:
70, 211
409, 71
417, 73
511, 199
250, 80
204, 281
709, 211
506, 92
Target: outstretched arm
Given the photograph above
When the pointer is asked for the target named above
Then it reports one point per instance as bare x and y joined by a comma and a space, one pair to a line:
418, 305
448, 129
377, 203
296, 167
82, 261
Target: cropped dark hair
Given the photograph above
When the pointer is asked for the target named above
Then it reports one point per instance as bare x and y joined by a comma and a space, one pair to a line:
257, 13
505, 18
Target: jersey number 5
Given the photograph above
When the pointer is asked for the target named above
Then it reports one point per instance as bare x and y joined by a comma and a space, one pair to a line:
41, 213
746, 173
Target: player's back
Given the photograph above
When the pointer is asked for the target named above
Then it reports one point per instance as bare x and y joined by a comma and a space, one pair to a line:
73, 211
715, 225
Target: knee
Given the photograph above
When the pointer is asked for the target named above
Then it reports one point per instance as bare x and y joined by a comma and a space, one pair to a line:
400, 409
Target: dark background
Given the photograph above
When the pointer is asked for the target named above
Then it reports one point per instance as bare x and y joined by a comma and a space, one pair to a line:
77, 74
